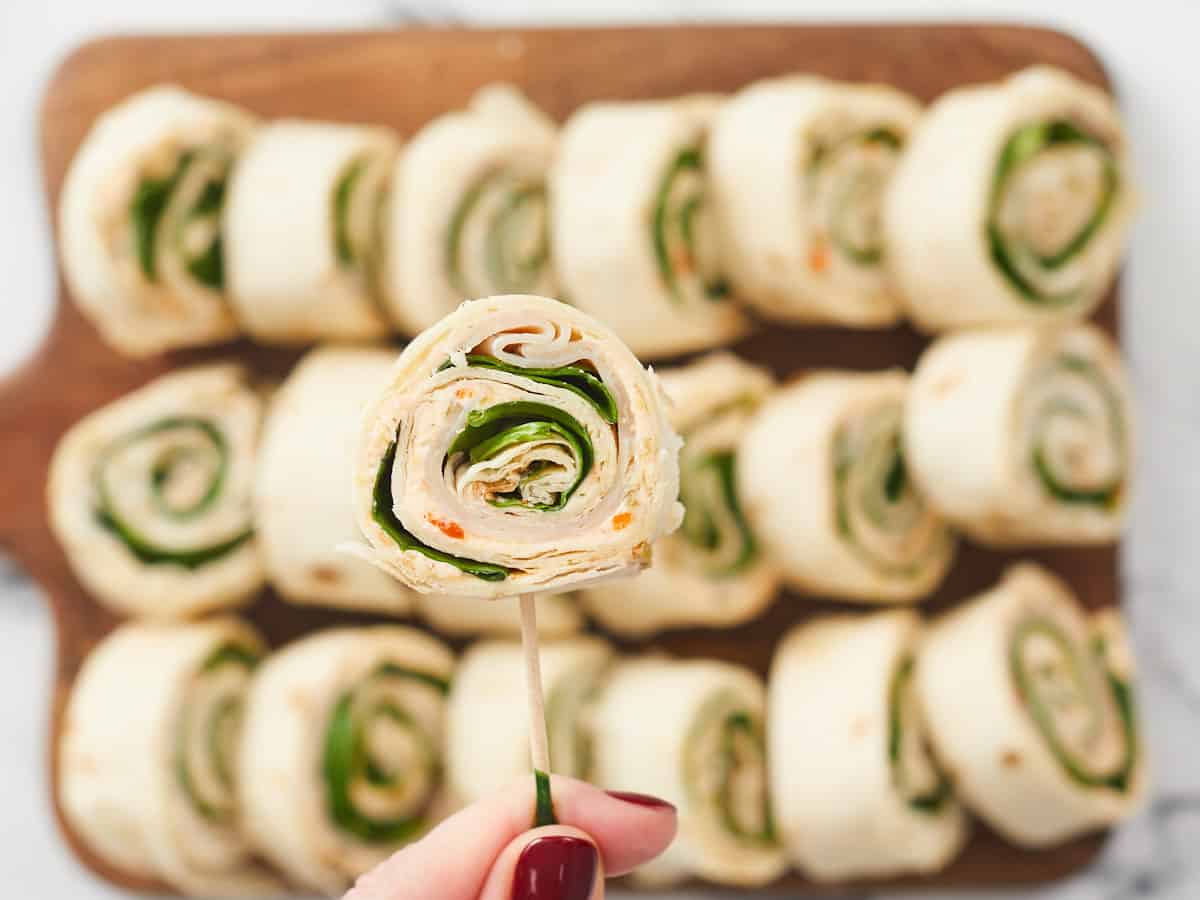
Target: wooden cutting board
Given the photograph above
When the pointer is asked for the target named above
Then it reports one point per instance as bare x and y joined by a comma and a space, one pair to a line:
403, 79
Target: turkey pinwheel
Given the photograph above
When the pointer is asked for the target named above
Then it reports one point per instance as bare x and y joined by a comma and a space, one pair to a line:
636, 240
1011, 204
518, 447
799, 169
470, 215
857, 791
147, 764
341, 758
1030, 705
692, 733
150, 496
824, 479
305, 226
712, 570
302, 487
140, 220
487, 741
1023, 435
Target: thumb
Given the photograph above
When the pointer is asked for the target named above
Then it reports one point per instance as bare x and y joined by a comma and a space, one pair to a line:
552, 863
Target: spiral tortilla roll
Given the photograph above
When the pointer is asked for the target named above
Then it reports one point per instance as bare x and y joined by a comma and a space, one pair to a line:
1011, 204
487, 738
139, 220
150, 495
519, 447
692, 733
146, 760
341, 756
1036, 730
799, 169
471, 216
305, 228
824, 480
635, 237
711, 571
1023, 435
303, 483
558, 615
857, 793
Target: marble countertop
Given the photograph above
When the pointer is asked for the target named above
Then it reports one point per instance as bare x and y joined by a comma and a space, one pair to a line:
1149, 49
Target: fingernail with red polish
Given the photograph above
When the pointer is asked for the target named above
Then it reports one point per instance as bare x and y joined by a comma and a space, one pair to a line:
556, 867
641, 799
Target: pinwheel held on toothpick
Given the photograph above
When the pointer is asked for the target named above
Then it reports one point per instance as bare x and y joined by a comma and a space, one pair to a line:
517, 447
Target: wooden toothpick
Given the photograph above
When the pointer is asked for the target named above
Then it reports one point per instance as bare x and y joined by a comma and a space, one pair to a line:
539, 743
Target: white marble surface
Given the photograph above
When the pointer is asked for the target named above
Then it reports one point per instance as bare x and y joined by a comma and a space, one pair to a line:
1150, 50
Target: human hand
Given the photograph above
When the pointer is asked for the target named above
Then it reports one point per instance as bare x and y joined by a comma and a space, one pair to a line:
488, 851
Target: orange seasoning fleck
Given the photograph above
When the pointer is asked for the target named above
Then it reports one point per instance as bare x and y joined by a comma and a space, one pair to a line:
325, 574
818, 254
682, 261
948, 382
86, 763
449, 529
462, 393
620, 520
